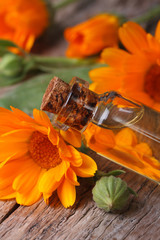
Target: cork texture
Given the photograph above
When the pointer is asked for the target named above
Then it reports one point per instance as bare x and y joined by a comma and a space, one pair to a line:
80, 102
55, 96
79, 109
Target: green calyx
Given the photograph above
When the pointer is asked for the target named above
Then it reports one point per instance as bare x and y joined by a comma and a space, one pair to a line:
111, 193
11, 65
14, 68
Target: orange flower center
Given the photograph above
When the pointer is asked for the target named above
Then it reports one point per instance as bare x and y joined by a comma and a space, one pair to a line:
152, 82
43, 152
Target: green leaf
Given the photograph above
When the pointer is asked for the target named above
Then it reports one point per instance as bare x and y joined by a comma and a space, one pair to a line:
7, 44
100, 174
6, 81
3, 51
132, 191
28, 95
115, 172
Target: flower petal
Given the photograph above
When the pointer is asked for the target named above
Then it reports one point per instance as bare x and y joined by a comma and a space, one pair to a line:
156, 106
22, 116
51, 178
72, 136
7, 193
6, 160
7, 175
88, 167
105, 137
154, 45
31, 194
27, 178
53, 136
46, 197
9, 149
76, 159
41, 118
46, 187
18, 135
64, 150
143, 149
115, 57
9, 120
126, 137
29, 198
66, 193
141, 96
71, 177
98, 139
133, 37
157, 33
9, 196
107, 78
14, 143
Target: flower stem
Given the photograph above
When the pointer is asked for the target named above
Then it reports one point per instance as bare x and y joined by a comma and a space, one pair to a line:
151, 14
52, 62
63, 4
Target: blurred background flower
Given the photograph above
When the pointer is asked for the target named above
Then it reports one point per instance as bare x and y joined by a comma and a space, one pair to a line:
135, 72
90, 37
23, 21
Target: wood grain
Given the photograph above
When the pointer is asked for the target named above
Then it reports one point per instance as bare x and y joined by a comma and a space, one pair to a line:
6, 208
84, 221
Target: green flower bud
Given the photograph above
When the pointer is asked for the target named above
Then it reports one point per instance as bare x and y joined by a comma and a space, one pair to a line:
11, 65
111, 193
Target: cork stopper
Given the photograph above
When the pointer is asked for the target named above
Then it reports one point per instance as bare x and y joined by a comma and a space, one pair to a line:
55, 96
73, 103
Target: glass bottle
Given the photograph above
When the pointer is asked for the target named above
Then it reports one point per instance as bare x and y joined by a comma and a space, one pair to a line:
120, 129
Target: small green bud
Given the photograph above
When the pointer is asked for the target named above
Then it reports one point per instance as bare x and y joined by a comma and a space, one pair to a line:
11, 65
111, 193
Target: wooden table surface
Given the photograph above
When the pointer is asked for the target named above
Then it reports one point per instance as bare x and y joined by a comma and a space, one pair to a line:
84, 220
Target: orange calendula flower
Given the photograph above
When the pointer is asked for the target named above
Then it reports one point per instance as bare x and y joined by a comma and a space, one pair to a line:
23, 21
135, 73
123, 148
91, 36
35, 160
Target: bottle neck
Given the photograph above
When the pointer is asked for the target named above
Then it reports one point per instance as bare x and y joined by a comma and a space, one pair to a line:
109, 110
115, 111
